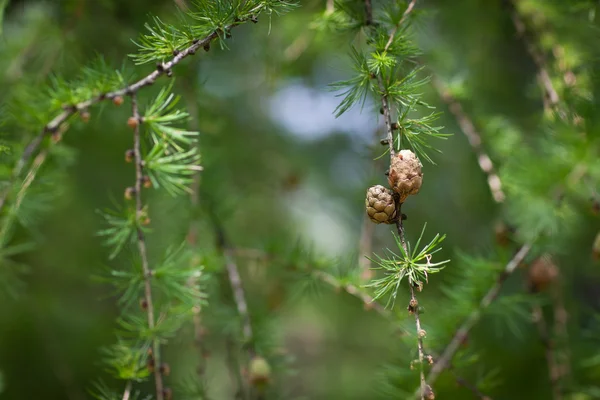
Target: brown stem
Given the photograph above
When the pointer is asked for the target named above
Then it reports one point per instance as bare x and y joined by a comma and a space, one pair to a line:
420, 335
549, 351
141, 241
474, 138
127, 392
463, 330
395, 30
551, 97
237, 288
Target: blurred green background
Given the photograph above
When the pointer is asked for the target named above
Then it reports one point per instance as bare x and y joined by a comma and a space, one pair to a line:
280, 171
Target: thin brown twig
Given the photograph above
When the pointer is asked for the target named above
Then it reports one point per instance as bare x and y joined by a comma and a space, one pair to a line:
69, 110
425, 389
368, 13
365, 298
141, 241
464, 383
463, 330
561, 332
127, 391
549, 351
551, 98
408, 10
237, 288
468, 128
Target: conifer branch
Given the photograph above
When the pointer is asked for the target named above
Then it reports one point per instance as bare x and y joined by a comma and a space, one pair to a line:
408, 10
141, 242
368, 301
551, 97
163, 68
549, 352
462, 332
425, 390
237, 288
368, 13
468, 128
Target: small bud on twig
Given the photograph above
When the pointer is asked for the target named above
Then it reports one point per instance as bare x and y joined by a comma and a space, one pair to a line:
117, 100
129, 192
146, 182
85, 116
129, 155
133, 122
165, 369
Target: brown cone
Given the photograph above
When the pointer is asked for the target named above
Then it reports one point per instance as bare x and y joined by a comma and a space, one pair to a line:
405, 177
380, 205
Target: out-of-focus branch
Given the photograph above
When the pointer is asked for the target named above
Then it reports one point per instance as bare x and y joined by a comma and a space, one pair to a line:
127, 391
461, 334
474, 138
237, 288
551, 97
408, 10
549, 351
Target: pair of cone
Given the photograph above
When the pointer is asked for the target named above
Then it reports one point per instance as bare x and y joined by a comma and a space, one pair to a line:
405, 178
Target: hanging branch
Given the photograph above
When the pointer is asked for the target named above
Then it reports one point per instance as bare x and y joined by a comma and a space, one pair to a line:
551, 97
141, 242
474, 138
163, 68
461, 334
237, 288
426, 391
408, 10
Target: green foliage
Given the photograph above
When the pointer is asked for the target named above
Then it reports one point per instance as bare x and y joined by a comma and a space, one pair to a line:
412, 263
122, 227
387, 71
203, 19
160, 115
275, 192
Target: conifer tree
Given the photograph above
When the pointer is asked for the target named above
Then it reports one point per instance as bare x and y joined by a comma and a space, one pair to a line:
182, 195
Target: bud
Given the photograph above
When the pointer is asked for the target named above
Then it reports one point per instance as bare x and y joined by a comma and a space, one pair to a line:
129, 192
146, 182
85, 116
412, 306
165, 369
380, 205
133, 122
129, 155
405, 176
260, 372
117, 100
542, 273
